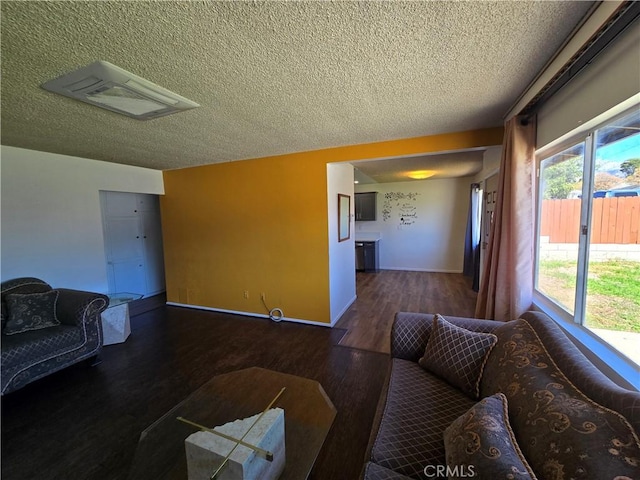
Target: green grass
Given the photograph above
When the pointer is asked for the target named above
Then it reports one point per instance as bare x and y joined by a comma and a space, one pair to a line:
613, 291
617, 278
561, 270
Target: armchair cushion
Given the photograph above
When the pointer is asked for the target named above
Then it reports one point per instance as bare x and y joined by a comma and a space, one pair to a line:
75, 307
19, 285
408, 440
373, 471
31, 311
39, 345
457, 355
411, 331
550, 416
481, 443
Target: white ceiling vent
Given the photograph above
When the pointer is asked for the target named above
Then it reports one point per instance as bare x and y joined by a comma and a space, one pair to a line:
105, 85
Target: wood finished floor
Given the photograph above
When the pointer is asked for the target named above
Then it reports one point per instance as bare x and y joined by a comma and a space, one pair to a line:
380, 295
84, 422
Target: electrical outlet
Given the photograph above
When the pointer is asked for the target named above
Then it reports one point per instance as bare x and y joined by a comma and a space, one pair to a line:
246, 294
263, 296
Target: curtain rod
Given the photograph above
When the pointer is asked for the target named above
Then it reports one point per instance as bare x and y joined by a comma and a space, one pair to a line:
623, 17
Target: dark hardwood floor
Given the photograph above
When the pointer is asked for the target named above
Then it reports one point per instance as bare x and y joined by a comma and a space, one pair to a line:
84, 422
380, 295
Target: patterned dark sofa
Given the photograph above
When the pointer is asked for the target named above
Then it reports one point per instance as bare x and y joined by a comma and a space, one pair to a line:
528, 404
45, 330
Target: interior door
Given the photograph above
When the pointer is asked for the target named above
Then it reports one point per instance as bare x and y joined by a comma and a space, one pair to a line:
125, 254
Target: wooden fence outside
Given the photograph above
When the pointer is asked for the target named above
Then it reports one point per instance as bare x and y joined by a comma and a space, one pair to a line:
614, 220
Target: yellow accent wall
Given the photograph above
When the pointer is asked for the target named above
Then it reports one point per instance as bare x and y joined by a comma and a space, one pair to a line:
260, 226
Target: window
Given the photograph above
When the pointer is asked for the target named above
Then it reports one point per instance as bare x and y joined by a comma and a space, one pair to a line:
588, 232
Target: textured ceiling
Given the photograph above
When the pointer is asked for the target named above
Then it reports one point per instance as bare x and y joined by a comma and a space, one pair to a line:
274, 77
419, 167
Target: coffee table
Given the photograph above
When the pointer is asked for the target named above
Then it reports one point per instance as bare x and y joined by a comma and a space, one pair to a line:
309, 415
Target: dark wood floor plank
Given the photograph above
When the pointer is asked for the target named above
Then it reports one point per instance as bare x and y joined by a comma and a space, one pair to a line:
147, 304
380, 295
84, 423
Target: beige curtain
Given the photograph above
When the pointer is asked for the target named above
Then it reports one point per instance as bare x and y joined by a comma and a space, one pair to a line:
506, 287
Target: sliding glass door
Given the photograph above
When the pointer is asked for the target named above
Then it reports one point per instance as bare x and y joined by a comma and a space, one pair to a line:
588, 235
613, 268
560, 177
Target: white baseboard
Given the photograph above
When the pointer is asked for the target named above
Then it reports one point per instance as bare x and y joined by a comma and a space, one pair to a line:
433, 270
343, 311
250, 314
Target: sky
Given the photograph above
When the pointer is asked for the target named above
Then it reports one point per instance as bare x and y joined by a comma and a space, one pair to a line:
612, 155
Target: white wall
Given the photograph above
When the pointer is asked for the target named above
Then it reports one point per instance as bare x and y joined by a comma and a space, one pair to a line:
432, 239
342, 267
490, 164
51, 218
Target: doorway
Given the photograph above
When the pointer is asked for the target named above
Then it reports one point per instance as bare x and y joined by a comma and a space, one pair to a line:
133, 242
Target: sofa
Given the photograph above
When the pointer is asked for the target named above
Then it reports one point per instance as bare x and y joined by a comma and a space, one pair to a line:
45, 330
468, 398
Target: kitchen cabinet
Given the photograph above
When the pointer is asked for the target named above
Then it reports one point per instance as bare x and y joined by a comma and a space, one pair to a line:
367, 256
365, 206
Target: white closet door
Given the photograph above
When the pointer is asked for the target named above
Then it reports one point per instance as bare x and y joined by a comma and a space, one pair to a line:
124, 239
133, 243
129, 276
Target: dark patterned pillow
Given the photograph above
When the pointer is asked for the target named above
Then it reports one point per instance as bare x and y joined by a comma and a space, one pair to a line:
562, 432
457, 355
481, 444
32, 311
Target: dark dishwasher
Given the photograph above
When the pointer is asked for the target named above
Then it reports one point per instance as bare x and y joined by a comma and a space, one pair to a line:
359, 256
367, 255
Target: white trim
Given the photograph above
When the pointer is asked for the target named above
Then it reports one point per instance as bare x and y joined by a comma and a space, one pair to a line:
584, 236
491, 173
249, 314
343, 311
433, 270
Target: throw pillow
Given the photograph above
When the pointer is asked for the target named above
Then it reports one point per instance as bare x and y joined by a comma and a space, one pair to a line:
32, 311
480, 444
457, 355
561, 431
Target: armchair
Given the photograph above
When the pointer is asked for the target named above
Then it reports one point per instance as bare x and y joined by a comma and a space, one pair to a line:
46, 342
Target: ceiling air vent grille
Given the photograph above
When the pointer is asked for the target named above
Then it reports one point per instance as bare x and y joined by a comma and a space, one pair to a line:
107, 86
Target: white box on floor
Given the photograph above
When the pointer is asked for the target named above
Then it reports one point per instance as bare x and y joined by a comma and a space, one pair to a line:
206, 451
115, 324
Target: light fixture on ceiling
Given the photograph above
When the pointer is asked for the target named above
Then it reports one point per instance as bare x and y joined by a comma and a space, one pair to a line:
421, 174
108, 86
